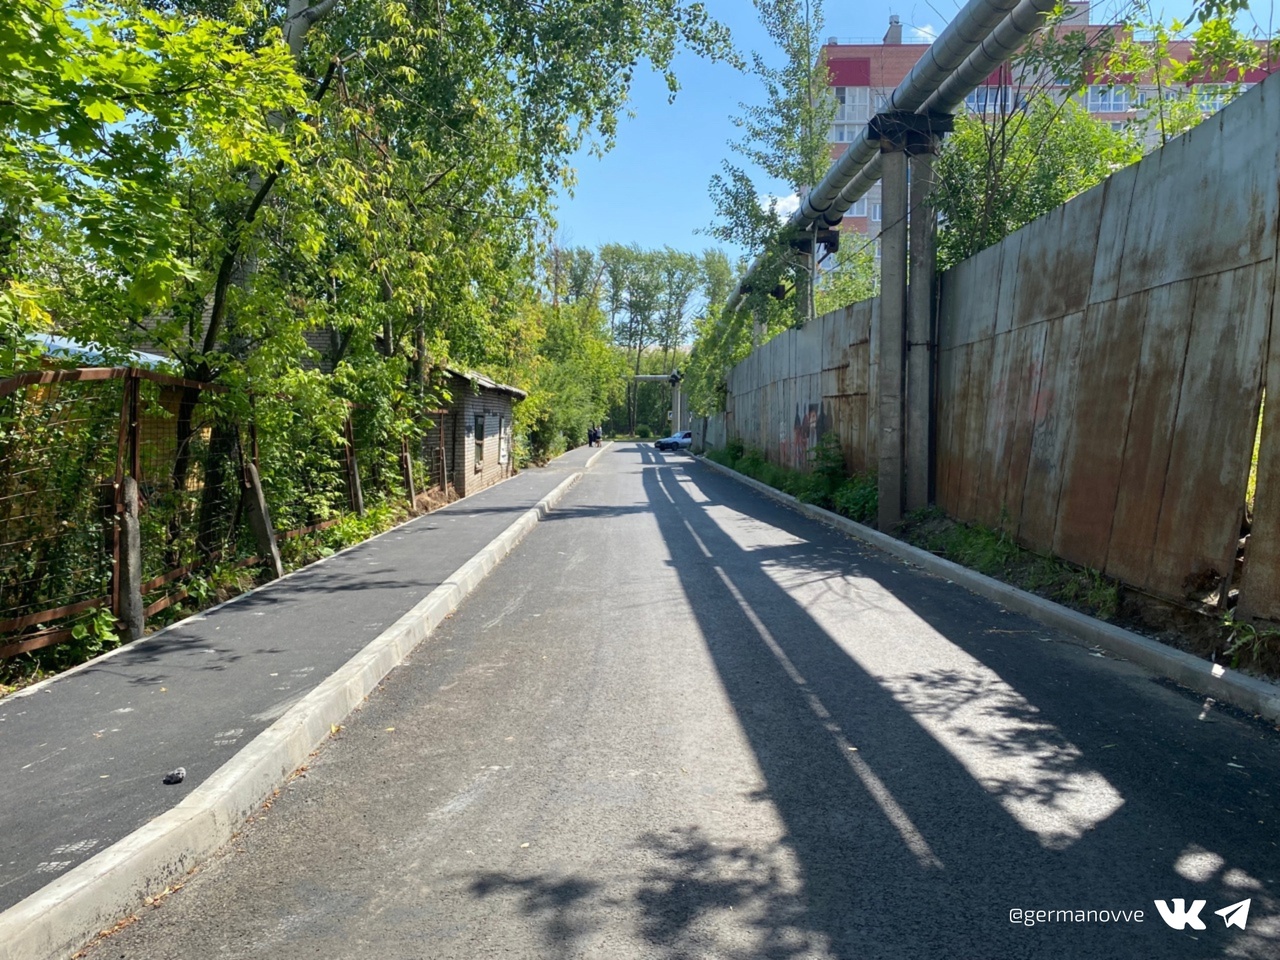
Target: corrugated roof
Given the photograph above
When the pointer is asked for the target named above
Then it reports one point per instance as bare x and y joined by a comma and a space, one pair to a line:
92, 354
480, 380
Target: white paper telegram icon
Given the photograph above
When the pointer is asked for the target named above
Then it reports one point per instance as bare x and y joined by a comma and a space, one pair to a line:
1236, 915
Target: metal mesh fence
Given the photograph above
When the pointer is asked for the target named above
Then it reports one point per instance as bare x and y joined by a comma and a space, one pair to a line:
68, 438
59, 460
188, 469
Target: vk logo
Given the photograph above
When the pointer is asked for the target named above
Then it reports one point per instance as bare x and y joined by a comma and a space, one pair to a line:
1180, 917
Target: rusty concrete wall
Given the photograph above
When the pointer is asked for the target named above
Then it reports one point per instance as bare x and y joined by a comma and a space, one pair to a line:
806, 382
1100, 371
709, 433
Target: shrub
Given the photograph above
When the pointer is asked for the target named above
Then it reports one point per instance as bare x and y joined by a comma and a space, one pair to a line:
643, 431
857, 498
828, 472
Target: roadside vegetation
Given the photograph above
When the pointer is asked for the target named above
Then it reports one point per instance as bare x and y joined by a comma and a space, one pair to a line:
827, 484
1199, 630
316, 210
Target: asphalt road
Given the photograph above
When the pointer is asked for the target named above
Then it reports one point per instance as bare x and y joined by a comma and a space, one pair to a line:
681, 721
82, 759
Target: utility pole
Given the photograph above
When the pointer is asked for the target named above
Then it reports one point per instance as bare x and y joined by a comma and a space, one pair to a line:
674, 378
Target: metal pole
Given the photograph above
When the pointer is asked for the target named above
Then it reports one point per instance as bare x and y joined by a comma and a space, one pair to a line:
921, 336
892, 334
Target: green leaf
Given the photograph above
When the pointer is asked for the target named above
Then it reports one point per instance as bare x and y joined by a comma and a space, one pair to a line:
106, 111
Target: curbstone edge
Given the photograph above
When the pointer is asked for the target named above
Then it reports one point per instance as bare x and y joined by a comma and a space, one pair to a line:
91, 898
1210, 679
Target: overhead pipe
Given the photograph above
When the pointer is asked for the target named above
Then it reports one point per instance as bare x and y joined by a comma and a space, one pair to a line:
953, 66
1003, 42
961, 38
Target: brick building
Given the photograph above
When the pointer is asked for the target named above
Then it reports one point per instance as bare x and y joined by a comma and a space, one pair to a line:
474, 432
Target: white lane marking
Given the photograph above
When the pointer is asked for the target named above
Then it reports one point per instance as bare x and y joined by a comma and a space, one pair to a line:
892, 810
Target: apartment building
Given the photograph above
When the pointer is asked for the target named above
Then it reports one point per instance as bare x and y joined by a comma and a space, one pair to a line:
864, 73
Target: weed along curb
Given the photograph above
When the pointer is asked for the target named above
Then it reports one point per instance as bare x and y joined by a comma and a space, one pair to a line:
1210, 679
93, 897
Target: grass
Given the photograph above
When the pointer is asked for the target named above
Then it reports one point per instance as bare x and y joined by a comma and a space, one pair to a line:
826, 485
994, 553
1250, 494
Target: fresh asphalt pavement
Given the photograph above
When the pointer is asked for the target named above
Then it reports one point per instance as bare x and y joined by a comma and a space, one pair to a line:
682, 721
82, 759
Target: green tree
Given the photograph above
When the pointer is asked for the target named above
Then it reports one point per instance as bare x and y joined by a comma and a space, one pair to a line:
106, 111
998, 172
785, 139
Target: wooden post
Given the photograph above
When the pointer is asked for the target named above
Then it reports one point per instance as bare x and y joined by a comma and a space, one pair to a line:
406, 464
260, 521
131, 611
353, 472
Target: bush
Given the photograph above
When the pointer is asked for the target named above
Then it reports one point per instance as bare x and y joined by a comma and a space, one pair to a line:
643, 431
858, 498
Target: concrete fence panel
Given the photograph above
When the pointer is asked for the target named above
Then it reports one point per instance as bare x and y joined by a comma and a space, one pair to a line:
1099, 372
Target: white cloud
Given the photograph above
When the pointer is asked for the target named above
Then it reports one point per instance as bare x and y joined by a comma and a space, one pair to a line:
786, 205
925, 33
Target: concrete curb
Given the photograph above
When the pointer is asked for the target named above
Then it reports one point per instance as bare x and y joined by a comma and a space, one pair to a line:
1211, 679
201, 614
73, 909
591, 460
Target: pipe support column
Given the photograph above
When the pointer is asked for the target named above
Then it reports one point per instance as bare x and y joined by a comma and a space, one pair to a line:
921, 331
892, 333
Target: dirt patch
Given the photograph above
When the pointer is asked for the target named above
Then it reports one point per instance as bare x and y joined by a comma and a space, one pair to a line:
433, 498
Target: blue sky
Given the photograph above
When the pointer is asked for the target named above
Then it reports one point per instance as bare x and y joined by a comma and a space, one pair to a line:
652, 188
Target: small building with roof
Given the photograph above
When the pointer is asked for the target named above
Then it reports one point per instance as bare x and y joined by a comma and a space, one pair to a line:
470, 445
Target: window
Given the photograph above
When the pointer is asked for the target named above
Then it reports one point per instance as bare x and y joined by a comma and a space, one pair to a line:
1118, 126
859, 208
1107, 100
1210, 98
852, 104
479, 442
875, 212
851, 112
994, 100
979, 100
